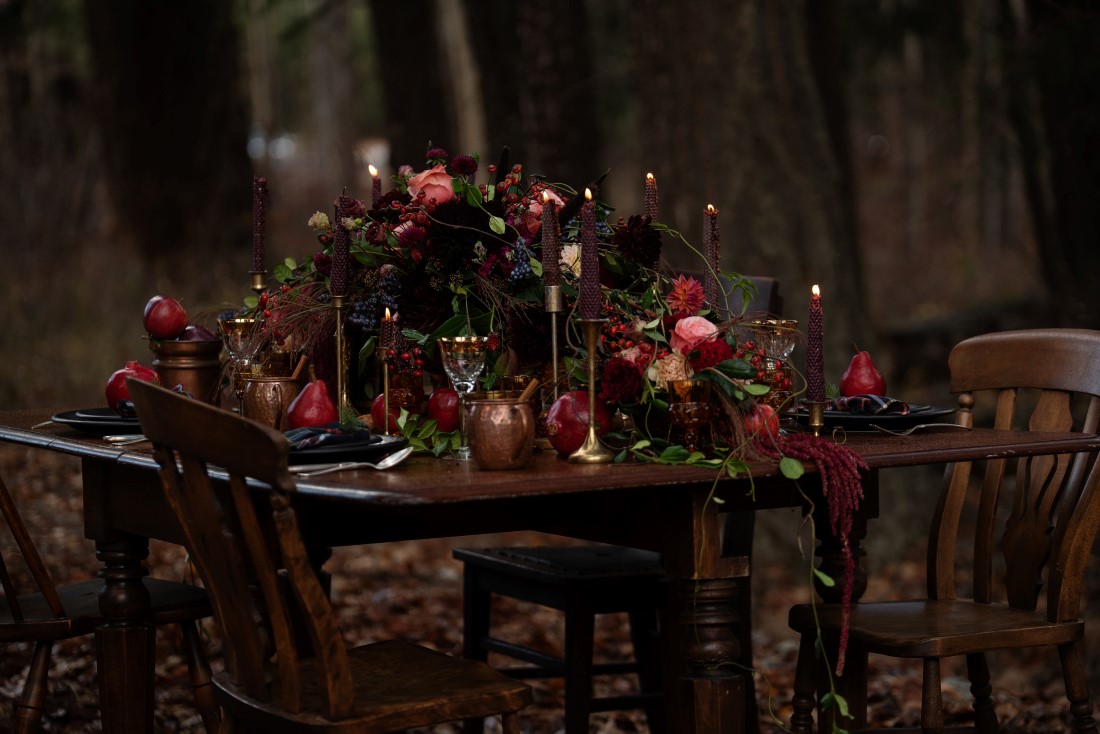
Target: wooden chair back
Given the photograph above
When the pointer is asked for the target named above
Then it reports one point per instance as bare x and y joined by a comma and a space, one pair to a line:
236, 547
1054, 512
44, 584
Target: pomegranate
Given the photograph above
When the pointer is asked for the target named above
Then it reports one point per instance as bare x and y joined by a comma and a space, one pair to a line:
378, 407
567, 421
118, 394
165, 318
443, 406
762, 420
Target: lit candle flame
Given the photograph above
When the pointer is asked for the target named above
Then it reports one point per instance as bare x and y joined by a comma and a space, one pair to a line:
649, 177
373, 170
816, 291
545, 197
387, 316
588, 194
710, 208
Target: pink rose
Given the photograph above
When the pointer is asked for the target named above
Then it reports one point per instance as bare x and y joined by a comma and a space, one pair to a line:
435, 183
532, 216
690, 331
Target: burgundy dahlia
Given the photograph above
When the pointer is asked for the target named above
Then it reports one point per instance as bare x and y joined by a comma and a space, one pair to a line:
710, 353
621, 381
464, 165
638, 241
436, 153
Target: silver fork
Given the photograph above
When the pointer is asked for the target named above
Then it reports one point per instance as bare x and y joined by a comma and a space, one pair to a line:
919, 426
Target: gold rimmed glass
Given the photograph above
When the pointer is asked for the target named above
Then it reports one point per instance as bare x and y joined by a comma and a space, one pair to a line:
463, 360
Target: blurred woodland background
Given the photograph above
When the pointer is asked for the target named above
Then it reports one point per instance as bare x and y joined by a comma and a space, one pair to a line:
935, 166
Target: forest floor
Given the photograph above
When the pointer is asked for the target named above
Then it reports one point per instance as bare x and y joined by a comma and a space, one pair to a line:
413, 590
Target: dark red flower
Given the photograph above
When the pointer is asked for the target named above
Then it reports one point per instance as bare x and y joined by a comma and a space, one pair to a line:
464, 165
323, 264
434, 153
621, 382
637, 241
710, 353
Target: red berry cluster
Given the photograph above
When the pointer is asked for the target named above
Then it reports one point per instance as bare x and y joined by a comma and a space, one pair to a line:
406, 362
777, 378
268, 307
618, 336
506, 184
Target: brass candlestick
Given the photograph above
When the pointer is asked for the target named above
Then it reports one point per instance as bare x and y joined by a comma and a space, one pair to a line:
341, 362
553, 307
817, 415
258, 278
592, 451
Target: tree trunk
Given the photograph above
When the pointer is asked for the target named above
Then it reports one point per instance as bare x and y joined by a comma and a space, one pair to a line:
410, 62
741, 107
172, 123
1055, 110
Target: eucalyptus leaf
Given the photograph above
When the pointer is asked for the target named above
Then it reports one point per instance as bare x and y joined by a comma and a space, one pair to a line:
756, 388
791, 468
825, 579
496, 224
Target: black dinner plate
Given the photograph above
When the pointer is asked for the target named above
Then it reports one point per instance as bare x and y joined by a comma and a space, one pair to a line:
918, 413
97, 421
351, 451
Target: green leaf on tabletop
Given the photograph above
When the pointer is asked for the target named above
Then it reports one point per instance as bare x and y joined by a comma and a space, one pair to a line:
824, 578
791, 468
736, 467
695, 457
621, 456
644, 443
425, 429
402, 419
675, 453
756, 388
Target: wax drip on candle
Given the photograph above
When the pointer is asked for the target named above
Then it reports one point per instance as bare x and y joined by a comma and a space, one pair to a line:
815, 356
589, 300
259, 216
650, 206
341, 244
551, 244
711, 255
375, 186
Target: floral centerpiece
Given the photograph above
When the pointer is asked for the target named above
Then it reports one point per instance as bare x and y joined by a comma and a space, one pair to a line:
458, 248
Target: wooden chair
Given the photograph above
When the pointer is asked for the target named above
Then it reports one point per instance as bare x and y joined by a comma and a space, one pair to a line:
1046, 531
584, 581
269, 683
52, 613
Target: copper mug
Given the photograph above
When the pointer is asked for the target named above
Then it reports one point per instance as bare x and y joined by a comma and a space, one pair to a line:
500, 432
267, 398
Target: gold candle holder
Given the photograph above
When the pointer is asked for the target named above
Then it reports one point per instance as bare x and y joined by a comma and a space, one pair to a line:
553, 307
592, 451
341, 361
258, 278
817, 415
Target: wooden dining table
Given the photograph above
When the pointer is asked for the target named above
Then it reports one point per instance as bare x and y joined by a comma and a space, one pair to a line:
675, 510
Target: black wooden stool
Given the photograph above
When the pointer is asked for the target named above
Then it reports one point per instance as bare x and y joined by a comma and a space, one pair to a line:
581, 582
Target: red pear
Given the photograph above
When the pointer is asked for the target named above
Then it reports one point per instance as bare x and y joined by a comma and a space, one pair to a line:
312, 407
862, 377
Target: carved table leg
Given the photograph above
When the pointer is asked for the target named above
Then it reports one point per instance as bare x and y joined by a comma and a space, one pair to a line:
712, 690
125, 644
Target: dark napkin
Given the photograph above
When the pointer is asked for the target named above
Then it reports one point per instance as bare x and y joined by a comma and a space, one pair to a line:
871, 405
330, 434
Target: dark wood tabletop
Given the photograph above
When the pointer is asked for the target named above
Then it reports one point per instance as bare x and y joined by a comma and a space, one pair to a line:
665, 508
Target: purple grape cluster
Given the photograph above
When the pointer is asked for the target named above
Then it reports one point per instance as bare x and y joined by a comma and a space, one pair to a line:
521, 263
365, 314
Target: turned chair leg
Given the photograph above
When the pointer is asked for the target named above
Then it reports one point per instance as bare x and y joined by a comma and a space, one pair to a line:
646, 640
805, 687
580, 628
198, 670
985, 716
1077, 690
32, 701
931, 710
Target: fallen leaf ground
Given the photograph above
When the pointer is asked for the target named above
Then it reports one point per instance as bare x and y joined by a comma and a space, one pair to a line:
414, 591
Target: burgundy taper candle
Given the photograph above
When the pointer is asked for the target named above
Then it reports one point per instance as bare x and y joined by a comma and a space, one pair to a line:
589, 300
340, 246
815, 356
375, 186
650, 207
551, 244
259, 216
388, 334
711, 255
